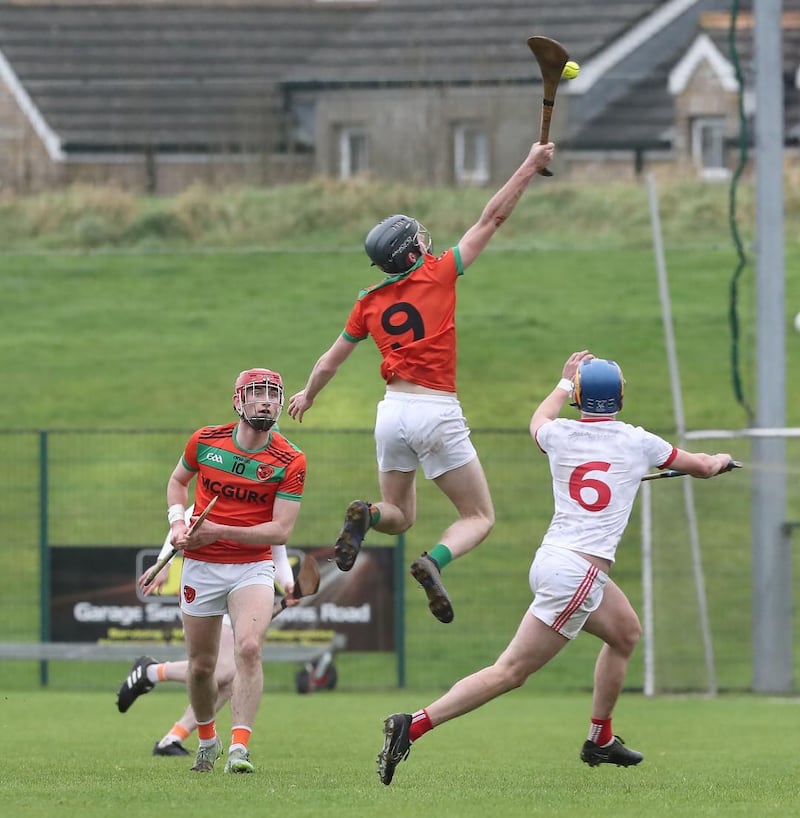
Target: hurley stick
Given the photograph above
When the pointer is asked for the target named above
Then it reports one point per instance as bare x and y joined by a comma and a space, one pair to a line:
167, 557
552, 57
307, 583
660, 475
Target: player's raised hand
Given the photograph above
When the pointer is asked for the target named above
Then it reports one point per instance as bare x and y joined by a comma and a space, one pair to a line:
573, 362
299, 404
542, 154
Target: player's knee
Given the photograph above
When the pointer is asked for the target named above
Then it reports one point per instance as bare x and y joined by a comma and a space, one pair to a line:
484, 523
514, 675
202, 668
249, 650
406, 522
629, 635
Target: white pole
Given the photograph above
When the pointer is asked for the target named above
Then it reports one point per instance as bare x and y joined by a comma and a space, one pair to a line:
666, 308
771, 556
677, 403
647, 593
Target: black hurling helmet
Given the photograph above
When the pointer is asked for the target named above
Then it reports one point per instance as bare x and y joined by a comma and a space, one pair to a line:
599, 386
390, 241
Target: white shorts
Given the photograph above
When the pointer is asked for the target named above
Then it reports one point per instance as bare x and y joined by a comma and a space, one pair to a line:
414, 430
205, 585
566, 589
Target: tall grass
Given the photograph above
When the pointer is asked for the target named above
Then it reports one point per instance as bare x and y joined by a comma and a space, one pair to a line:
321, 214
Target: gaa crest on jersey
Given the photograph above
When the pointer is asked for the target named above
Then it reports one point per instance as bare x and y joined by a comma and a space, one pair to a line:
189, 593
264, 472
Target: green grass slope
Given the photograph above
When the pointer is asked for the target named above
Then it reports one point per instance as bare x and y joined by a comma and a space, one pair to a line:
141, 319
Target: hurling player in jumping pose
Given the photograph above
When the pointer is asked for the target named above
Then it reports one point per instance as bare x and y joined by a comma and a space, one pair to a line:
597, 463
410, 316
258, 476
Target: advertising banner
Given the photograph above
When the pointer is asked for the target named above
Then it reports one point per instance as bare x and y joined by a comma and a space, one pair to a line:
94, 597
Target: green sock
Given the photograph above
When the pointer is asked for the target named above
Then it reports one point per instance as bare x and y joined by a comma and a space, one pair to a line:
441, 555
374, 516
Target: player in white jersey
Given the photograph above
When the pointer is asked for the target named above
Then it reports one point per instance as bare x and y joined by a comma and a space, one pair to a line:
597, 463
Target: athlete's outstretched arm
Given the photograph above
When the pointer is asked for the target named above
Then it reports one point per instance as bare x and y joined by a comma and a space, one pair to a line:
700, 464
322, 373
502, 203
550, 408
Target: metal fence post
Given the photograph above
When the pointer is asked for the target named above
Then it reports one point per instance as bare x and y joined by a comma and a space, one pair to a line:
400, 608
44, 556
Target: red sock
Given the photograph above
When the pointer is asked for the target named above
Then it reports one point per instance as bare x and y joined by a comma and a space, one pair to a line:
180, 731
240, 734
420, 724
600, 732
207, 731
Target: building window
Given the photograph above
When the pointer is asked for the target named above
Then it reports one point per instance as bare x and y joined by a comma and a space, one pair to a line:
708, 146
353, 152
471, 154
302, 135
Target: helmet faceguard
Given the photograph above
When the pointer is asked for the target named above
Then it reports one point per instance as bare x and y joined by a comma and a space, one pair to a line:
424, 240
390, 241
258, 398
599, 387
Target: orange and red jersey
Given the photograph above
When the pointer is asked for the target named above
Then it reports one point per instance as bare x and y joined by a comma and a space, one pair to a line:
246, 482
411, 318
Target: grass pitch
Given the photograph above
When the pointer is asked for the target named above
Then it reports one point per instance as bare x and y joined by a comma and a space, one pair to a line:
110, 331
73, 754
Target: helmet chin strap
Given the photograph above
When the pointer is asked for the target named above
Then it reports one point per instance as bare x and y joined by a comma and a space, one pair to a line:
259, 423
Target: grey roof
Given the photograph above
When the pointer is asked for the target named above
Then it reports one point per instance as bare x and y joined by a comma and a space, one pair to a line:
644, 116
121, 76
790, 56
642, 119
213, 75
469, 41
125, 76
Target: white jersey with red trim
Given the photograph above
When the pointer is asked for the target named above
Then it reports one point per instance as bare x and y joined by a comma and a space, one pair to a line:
597, 467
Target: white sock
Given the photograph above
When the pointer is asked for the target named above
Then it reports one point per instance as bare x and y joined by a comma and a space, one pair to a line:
152, 673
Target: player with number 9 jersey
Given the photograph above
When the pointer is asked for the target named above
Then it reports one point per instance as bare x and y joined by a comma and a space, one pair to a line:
410, 316
411, 319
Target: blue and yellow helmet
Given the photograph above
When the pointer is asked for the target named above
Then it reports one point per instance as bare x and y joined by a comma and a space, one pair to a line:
599, 387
